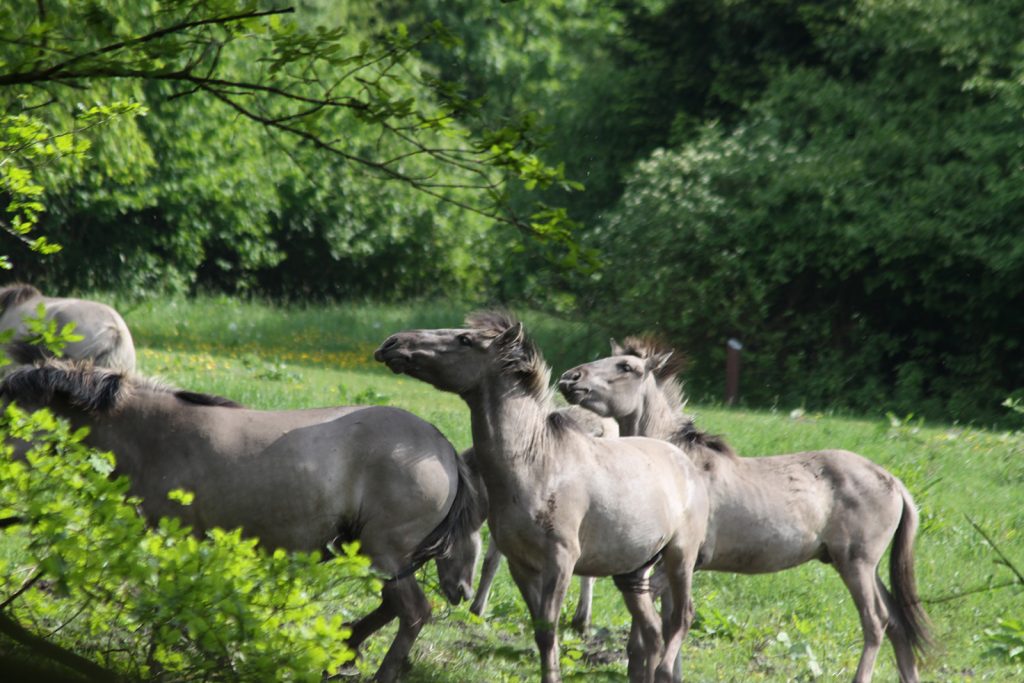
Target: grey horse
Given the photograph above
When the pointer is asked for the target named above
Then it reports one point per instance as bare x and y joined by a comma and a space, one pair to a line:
560, 500
773, 513
105, 336
296, 479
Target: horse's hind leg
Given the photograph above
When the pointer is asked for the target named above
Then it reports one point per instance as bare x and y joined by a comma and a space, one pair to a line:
413, 610
905, 659
861, 579
370, 624
483, 591
581, 618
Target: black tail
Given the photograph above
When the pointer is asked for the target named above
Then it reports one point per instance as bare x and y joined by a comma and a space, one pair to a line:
906, 605
463, 518
23, 353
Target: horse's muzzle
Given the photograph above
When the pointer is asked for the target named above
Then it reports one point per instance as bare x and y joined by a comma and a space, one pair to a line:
572, 392
459, 593
392, 355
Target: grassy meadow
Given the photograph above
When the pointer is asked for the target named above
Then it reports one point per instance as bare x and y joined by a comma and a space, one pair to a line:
792, 626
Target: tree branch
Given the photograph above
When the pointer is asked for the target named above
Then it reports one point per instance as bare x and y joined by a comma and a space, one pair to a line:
51, 72
54, 652
24, 587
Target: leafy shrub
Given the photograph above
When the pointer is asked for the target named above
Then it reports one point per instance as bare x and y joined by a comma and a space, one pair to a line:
1007, 639
82, 571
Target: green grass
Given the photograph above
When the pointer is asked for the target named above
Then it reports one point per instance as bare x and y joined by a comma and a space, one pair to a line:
782, 627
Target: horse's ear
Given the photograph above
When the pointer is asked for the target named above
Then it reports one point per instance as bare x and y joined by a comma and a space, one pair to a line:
617, 349
657, 362
511, 337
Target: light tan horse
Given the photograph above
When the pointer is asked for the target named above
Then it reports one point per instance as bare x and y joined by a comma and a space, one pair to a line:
560, 500
772, 513
105, 336
595, 426
296, 479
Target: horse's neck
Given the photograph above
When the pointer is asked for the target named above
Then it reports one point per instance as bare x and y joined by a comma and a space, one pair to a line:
142, 427
509, 429
658, 419
655, 417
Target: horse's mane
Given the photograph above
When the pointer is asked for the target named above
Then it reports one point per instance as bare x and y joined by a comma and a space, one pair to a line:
89, 388
520, 356
667, 374
688, 436
667, 378
15, 293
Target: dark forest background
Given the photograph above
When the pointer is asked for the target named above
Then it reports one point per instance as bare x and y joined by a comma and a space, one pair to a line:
838, 184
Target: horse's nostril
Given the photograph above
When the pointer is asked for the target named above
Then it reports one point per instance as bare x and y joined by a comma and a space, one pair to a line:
572, 375
388, 343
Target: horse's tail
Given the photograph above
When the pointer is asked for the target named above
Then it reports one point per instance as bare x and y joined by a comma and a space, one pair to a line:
23, 353
906, 606
463, 518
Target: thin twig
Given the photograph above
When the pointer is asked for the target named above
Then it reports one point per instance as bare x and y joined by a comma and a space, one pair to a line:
1006, 560
24, 587
973, 591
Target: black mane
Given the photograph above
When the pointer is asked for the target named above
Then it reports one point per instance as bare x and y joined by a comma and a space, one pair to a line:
90, 388
688, 436
206, 399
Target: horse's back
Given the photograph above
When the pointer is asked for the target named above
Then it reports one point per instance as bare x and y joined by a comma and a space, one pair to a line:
106, 337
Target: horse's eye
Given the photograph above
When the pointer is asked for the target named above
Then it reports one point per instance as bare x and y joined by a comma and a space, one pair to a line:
625, 367
465, 340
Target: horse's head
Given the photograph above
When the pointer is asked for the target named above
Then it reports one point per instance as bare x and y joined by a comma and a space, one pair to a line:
613, 386
455, 571
460, 360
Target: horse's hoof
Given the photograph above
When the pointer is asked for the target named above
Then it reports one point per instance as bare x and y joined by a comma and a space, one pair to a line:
580, 626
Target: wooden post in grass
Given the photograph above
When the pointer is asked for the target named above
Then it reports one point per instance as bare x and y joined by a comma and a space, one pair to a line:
732, 370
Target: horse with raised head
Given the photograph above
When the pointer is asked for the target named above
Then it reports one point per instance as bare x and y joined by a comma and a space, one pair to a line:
773, 513
560, 500
105, 336
295, 479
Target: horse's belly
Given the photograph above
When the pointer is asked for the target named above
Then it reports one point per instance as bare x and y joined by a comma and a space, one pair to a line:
747, 552
608, 550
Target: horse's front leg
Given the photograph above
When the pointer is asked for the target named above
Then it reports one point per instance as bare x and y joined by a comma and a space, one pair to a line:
645, 645
679, 563
581, 619
544, 593
491, 563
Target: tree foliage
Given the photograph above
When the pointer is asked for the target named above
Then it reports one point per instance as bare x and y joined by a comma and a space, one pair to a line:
283, 97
